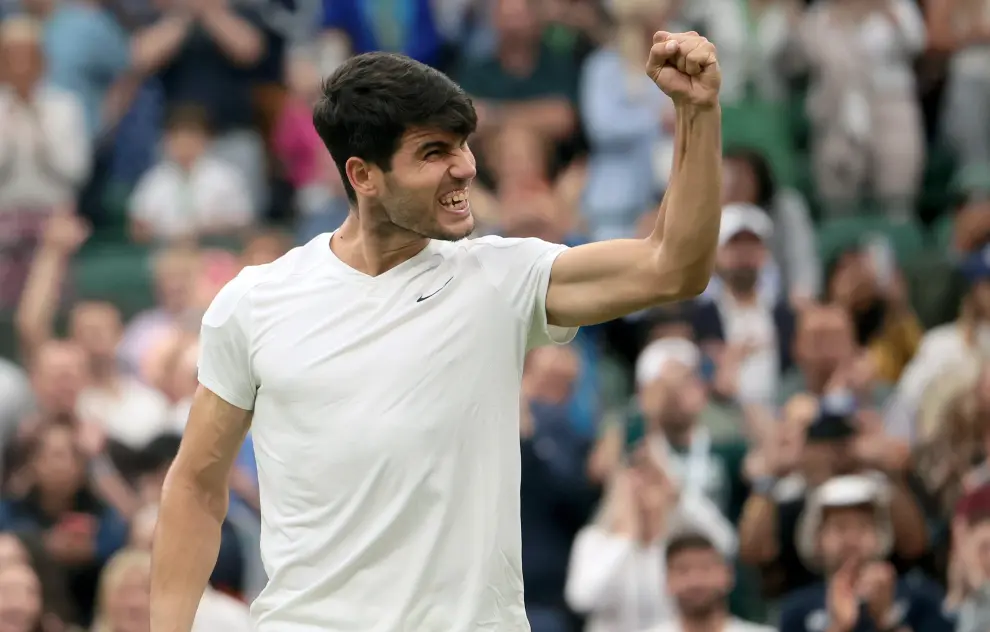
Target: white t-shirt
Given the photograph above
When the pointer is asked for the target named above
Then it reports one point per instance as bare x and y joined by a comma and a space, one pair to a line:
133, 415
386, 431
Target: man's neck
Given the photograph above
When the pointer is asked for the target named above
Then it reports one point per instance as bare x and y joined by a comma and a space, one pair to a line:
714, 621
744, 298
371, 249
679, 437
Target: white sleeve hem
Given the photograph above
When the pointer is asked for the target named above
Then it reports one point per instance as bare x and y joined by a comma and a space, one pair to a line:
214, 386
553, 333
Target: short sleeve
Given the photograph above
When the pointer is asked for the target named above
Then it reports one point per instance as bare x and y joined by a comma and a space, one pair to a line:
224, 345
520, 271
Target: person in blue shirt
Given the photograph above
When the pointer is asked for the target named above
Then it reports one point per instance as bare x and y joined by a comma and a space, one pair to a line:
846, 531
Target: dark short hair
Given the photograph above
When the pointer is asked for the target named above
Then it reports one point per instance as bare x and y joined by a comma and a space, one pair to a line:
688, 541
371, 100
766, 185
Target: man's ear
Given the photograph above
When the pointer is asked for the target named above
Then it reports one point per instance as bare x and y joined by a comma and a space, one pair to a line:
361, 176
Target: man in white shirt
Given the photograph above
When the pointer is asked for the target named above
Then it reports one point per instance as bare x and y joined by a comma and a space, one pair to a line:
699, 580
379, 367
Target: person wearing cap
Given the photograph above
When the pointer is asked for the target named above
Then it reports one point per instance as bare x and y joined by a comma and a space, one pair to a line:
846, 531
834, 445
743, 326
699, 579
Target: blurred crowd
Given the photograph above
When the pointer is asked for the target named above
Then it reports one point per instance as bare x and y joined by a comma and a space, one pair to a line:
806, 447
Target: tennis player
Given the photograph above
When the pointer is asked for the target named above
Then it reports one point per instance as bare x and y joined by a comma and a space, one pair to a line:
379, 366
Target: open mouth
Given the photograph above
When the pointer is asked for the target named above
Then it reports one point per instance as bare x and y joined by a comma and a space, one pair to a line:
455, 201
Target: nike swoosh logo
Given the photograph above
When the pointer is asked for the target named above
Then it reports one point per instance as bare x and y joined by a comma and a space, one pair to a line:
423, 298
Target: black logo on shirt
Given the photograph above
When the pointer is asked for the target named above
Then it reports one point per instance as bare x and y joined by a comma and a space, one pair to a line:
423, 298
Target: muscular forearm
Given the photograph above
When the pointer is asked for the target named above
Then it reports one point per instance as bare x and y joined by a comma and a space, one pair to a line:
187, 542
687, 230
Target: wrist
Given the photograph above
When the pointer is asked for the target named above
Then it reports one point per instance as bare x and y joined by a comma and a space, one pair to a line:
763, 485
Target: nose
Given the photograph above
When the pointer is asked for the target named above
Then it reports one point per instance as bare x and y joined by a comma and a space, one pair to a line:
464, 166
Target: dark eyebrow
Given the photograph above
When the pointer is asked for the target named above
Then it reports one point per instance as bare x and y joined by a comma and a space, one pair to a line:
426, 148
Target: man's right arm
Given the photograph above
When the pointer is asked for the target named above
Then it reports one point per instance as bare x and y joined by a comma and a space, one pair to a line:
196, 491
193, 506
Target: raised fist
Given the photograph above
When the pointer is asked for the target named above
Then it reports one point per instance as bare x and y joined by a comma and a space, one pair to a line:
685, 67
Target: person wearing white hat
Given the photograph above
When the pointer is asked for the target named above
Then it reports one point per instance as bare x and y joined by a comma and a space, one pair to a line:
846, 532
754, 325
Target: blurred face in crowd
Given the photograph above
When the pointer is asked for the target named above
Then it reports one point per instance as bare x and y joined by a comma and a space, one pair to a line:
699, 581
519, 161
739, 182
853, 284
185, 145
21, 61
739, 261
176, 275
824, 339
95, 326
12, 551
531, 214
20, 599
516, 21
551, 372
128, 604
57, 464
848, 533
979, 298
672, 402
824, 458
58, 375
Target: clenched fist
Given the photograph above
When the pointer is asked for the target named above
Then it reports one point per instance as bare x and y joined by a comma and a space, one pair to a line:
685, 67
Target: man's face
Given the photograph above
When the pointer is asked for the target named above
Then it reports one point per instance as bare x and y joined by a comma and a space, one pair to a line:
551, 372
426, 191
96, 327
699, 581
20, 598
185, 146
825, 338
848, 533
56, 464
740, 260
738, 182
58, 375
21, 62
675, 399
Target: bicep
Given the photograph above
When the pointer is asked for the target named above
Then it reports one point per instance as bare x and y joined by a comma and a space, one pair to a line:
211, 440
602, 281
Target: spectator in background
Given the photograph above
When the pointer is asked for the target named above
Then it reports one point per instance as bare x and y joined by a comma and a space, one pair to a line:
21, 603
744, 328
846, 530
748, 179
177, 271
753, 36
203, 52
617, 568
44, 150
969, 572
124, 602
80, 531
867, 284
319, 198
699, 579
955, 347
867, 137
556, 496
190, 193
961, 28
126, 410
525, 84
629, 124
88, 54
401, 26
27, 549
